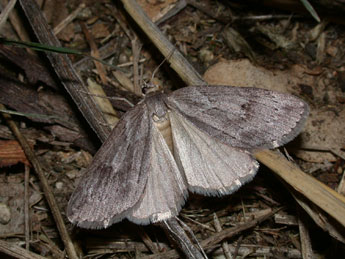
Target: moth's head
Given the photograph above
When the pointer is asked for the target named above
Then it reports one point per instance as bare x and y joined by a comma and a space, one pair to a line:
151, 87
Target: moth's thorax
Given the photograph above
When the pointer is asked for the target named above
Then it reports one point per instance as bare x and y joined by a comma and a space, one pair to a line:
156, 105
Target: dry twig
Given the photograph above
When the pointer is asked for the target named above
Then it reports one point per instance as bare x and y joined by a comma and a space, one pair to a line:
17, 252
45, 186
65, 71
26, 207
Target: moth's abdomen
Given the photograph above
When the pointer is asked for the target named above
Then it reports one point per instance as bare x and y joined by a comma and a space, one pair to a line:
164, 127
159, 114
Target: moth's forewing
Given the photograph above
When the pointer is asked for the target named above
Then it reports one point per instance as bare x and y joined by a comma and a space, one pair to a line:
117, 176
211, 167
166, 188
249, 118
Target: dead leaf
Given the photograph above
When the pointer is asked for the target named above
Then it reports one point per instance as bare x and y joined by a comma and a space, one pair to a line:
11, 153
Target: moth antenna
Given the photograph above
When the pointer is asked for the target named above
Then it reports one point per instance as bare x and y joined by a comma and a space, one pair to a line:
151, 86
109, 97
165, 59
141, 71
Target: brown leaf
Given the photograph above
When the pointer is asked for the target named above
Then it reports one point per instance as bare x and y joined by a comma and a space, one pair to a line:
11, 153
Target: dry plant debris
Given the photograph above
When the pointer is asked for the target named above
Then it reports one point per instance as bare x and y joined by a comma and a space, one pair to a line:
278, 47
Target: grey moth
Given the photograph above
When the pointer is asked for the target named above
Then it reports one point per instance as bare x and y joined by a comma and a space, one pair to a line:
139, 175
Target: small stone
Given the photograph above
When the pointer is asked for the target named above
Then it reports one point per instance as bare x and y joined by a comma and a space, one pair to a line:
59, 185
5, 214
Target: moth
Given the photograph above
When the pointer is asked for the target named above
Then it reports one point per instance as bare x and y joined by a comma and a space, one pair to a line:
139, 175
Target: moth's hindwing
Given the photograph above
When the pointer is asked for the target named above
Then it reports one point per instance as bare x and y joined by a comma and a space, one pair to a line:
210, 166
166, 188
